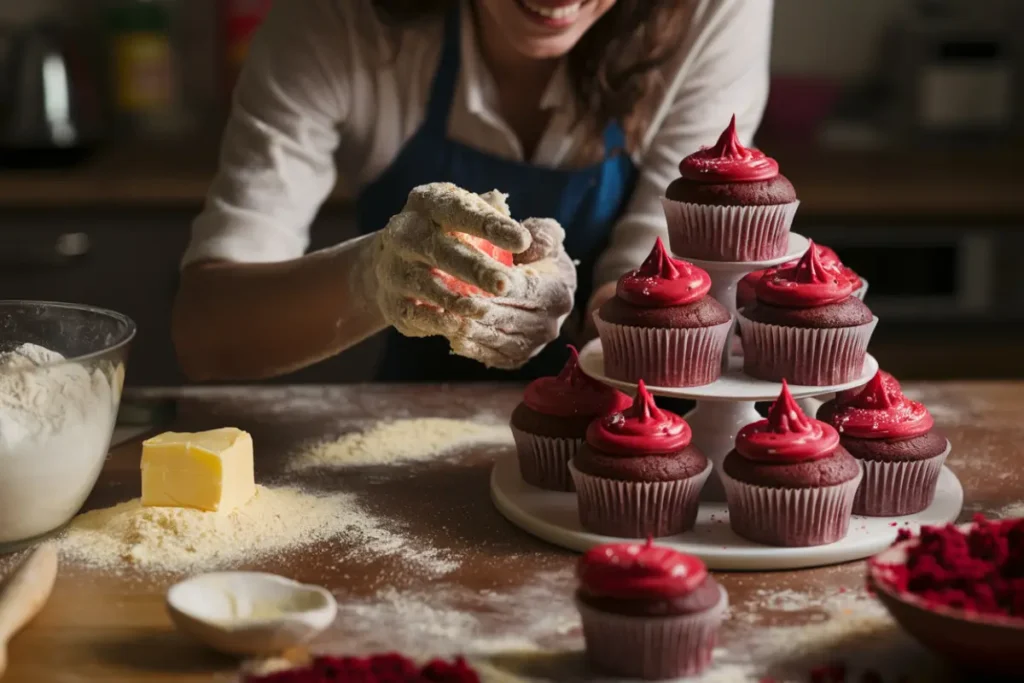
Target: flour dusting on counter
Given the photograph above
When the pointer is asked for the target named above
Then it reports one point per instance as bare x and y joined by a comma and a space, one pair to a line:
276, 520
394, 441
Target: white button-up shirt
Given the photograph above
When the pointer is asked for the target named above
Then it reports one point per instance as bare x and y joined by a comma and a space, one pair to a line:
330, 94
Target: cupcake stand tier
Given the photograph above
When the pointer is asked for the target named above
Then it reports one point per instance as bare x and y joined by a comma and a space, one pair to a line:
722, 408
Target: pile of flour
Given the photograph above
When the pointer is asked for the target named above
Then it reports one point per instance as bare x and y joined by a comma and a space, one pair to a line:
55, 428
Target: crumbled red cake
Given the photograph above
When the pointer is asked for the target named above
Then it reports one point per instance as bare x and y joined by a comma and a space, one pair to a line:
981, 571
385, 668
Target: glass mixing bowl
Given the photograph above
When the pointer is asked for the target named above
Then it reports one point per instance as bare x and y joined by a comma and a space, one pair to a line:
57, 415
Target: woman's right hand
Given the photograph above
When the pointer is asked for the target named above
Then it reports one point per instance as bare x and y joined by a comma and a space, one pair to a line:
521, 307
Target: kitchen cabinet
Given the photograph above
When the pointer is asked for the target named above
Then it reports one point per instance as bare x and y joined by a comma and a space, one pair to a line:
130, 264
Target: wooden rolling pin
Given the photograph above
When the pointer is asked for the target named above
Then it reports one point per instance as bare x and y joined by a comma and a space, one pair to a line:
24, 593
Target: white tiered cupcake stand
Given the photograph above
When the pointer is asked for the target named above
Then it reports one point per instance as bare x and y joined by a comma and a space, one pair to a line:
722, 408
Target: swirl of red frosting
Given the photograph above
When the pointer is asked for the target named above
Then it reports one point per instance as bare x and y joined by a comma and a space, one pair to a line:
643, 429
728, 161
892, 386
640, 571
805, 285
663, 281
787, 436
572, 393
880, 411
829, 261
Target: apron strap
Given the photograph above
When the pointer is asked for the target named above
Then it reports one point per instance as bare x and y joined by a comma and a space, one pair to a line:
442, 91
614, 140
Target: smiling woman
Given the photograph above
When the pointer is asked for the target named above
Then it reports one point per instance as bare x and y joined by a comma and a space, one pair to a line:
546, 128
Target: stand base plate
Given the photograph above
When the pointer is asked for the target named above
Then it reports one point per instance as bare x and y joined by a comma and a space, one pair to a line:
552, 516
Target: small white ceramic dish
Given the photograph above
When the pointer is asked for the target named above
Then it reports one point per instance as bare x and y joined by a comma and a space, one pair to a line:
250, 613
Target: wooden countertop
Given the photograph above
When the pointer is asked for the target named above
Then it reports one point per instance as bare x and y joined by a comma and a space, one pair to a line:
965, 184
506, 591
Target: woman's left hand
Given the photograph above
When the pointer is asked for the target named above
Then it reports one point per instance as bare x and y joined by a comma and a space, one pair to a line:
516, 327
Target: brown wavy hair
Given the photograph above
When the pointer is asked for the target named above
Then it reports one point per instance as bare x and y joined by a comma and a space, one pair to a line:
614, 67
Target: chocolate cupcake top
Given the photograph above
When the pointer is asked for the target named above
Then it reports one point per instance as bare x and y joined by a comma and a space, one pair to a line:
880, 411
807, 284
663, 281
572, 393
787, 436
639, 571
643, 429
728, 161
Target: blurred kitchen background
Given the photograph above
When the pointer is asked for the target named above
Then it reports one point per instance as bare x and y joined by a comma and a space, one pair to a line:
900, 122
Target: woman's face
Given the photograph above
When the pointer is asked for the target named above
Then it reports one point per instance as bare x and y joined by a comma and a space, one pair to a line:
541, 29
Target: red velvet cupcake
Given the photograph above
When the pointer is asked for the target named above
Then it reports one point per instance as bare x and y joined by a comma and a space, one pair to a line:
662, 326
894, 439
637, 474
789, 482
648, 612
805, 326
731, 204
549, 425
745, 288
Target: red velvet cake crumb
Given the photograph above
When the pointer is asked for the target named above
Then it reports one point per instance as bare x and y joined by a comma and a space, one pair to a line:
385, 668
981, 571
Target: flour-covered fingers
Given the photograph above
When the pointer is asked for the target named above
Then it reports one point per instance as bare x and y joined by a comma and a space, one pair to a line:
456, 209
547, 238
488, 356
415, 240
509, 318
540, 286
419, 281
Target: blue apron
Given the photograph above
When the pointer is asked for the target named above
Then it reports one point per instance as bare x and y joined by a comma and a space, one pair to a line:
585, 201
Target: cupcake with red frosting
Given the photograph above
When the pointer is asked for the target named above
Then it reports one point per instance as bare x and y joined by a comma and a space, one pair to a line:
662, 326
895, 441
805, 326
648, 612
637, 474
789, 482
745, 288
550, 423
730, 204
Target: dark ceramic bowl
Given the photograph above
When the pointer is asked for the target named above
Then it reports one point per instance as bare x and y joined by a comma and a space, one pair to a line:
981, 643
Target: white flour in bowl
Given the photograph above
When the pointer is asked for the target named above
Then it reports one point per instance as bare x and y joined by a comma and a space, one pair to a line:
55, 427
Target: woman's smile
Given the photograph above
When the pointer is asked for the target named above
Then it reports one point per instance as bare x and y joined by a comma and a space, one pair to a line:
552, 14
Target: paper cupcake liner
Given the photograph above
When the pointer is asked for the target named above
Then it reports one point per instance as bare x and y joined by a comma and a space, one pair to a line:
663, 357
544, 460
651, 648
728, 233
893, 489
637, 509
808, 356
790, 517
861, 291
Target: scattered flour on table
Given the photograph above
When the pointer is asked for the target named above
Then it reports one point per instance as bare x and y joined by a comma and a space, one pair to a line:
1010, 511
452, 620
409, 440
56, 419
160, 539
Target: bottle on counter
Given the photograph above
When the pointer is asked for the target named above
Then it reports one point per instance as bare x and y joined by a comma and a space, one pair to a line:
142, 53
239, 21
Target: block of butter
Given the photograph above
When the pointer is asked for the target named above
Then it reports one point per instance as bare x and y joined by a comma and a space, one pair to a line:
210, 470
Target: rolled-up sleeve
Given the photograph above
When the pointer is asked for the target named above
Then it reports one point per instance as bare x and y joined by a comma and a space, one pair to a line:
276, 160
726, 74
